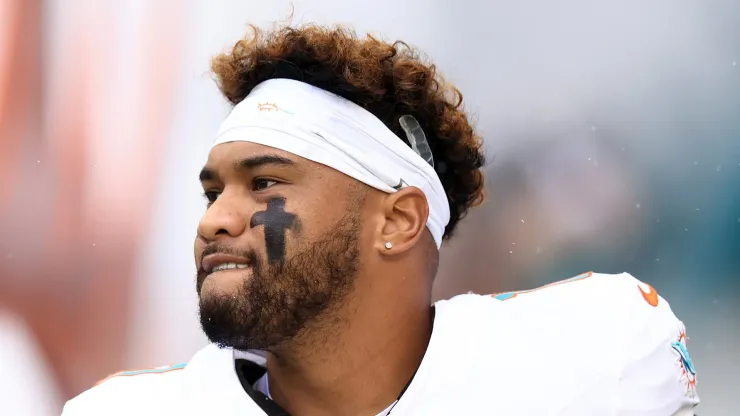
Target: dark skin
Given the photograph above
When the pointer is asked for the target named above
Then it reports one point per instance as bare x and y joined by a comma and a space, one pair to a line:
357, 358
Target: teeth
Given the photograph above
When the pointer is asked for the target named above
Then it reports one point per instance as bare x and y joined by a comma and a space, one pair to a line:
227, 266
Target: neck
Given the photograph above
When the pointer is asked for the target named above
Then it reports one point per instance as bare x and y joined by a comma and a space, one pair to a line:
360, 359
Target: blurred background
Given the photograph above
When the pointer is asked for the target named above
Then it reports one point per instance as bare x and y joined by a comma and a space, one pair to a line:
612, 131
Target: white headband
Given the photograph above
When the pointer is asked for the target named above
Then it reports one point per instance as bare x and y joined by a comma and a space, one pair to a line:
322, 127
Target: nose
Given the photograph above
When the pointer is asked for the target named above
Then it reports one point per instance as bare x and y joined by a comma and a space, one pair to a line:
223, 218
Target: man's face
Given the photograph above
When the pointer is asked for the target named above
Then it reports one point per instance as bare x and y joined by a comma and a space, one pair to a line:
277, 247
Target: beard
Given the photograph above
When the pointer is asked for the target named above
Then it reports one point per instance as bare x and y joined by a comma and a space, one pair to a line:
279, 300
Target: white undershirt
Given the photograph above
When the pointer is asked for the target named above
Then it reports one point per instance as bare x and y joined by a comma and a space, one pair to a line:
263, 386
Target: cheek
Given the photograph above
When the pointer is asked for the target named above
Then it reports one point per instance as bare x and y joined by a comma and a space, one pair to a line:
318, 217
308, 230
322, 204
324, 220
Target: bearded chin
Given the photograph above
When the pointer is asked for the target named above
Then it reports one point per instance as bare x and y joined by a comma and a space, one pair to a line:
218, 319
279, 300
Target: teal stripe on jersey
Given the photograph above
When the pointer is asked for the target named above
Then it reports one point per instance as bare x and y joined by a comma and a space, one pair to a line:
153, 370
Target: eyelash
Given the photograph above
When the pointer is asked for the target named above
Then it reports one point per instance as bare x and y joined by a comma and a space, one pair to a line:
211, 196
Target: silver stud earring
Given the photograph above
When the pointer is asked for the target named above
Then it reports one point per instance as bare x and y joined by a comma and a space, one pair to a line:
388, 245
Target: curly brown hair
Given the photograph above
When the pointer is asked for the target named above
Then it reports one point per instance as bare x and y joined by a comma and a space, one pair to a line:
388, 80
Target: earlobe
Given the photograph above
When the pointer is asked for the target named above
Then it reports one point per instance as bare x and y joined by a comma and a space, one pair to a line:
406, 213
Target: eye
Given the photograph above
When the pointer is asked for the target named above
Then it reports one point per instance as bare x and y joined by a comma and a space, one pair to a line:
211, 196
260, 184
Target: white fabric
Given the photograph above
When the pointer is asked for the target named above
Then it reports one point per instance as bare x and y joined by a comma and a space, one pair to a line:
263, 386
325, 128
591, 346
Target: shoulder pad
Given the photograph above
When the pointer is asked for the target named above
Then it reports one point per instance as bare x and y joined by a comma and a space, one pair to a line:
141, 392
633, 322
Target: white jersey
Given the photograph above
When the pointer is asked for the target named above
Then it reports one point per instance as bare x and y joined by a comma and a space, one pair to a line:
596, 344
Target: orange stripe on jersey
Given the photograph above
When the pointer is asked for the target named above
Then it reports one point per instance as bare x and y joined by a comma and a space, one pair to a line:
511, 295
158, 370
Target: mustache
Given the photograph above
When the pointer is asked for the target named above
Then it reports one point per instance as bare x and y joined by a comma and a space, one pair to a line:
220, 248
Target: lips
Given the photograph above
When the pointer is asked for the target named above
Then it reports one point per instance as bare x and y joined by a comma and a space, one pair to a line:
218, 262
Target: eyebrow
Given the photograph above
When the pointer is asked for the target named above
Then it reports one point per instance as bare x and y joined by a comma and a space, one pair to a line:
261, 160
206, 175
252, 162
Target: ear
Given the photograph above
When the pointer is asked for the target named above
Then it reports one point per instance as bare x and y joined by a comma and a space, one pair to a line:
406, 213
